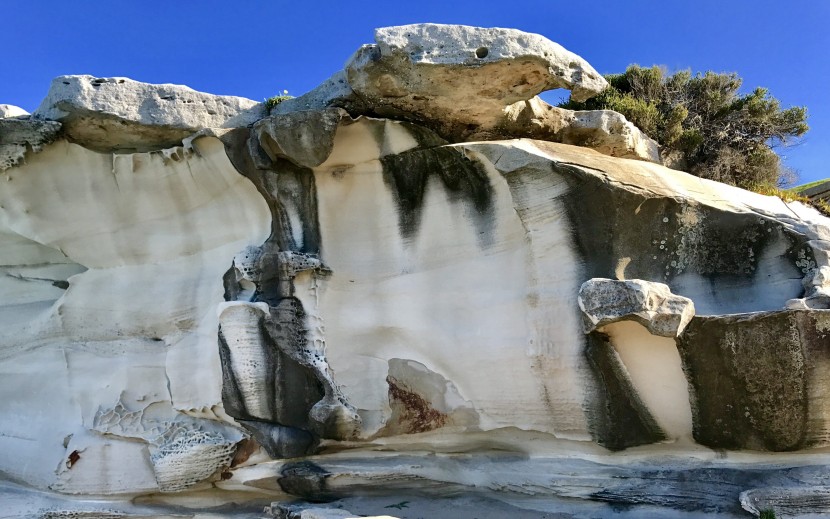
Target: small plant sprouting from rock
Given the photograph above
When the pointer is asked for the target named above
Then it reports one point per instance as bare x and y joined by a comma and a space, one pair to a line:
767, 514
271, 102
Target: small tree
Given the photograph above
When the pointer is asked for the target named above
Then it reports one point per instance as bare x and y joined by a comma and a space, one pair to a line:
704, 126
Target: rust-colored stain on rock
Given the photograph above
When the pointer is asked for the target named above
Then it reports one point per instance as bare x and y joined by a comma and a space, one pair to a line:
73, 458
414, 413
244, 449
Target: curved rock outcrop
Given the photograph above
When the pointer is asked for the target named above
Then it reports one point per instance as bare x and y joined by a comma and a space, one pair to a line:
347, 301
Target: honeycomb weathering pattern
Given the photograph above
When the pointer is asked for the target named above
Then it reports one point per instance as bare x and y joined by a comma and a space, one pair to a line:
187, 457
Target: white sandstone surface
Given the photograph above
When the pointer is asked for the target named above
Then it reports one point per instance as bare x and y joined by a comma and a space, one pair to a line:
204, 310
386, 293
122, 258
11, 111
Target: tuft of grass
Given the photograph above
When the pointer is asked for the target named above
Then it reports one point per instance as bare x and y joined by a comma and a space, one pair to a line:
767, 514
271, 102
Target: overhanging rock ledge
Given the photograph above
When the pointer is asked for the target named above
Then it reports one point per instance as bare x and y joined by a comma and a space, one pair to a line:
417, 281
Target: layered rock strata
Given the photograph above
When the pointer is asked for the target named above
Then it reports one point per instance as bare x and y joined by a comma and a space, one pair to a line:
235, 308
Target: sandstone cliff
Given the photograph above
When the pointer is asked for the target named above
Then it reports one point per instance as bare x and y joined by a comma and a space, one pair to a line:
408, 282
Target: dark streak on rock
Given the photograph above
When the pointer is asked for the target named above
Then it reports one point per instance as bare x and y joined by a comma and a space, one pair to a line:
292, 388
299, 392
617, 418
231, 395
280, 441
285, 186
407, 175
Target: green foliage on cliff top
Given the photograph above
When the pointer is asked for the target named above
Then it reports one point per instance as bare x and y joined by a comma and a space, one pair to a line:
271, 102
704, 126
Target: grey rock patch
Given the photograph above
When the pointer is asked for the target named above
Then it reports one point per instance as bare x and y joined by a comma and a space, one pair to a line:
610, 133
306, 138
335, 91
450, 45
458, 77
21, 135
605, 301
123, 115
280, 441
308, 511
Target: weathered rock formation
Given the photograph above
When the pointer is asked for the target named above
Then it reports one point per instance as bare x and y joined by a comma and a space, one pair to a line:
206, 305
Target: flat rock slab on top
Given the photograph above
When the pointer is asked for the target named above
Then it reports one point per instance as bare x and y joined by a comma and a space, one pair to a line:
119, 114
454, 45
455, 79
461, 75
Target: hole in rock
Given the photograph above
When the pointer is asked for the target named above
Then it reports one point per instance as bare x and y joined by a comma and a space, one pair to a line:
482, 52
555, 96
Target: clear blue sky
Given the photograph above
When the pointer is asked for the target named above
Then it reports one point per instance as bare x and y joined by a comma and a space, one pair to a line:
258, 48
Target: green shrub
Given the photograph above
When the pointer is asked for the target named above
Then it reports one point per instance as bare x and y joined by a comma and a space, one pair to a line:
703, 125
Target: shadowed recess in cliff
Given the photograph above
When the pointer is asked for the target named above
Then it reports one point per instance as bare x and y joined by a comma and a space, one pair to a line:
407, 174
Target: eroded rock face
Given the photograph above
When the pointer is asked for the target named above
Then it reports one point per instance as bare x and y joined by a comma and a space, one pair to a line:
606, 131
104, 374
302, 306
462, 82
431, 70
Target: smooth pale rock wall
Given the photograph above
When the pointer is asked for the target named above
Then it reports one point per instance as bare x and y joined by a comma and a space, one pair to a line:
122, 257
388, 291
407, 247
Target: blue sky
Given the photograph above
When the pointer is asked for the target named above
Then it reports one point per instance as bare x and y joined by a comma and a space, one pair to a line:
256, 49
